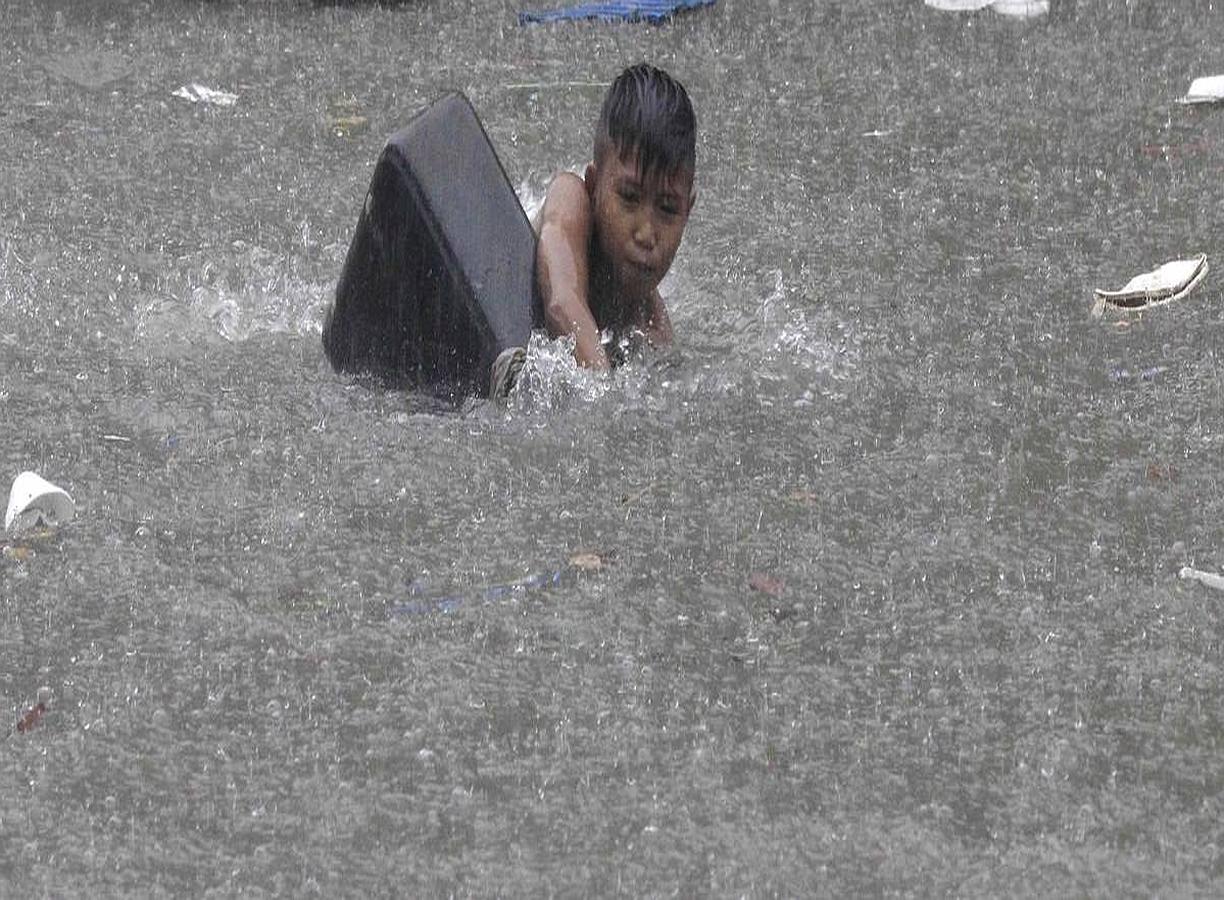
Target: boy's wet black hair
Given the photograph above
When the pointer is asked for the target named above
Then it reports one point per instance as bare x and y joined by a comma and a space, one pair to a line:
648, 112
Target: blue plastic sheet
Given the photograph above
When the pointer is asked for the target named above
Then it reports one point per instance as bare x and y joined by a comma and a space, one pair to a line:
654, 11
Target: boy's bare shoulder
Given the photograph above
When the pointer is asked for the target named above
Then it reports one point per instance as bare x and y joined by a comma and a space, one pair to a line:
566, 202
567, 181
567, 190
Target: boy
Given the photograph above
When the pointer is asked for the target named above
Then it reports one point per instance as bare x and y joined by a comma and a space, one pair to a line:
607, 239
421, 285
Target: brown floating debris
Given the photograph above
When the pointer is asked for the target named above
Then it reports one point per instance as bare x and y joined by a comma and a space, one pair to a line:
31, 718
588, 561
766, 584
1174, 151
345, 117
348, 126
1161, 472
635, 496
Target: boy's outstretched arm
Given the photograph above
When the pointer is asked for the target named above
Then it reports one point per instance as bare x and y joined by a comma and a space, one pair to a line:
563, 268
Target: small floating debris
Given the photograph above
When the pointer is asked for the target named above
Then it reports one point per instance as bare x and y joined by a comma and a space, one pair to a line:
653, 11
345, 117
35, 502
1161, 472
492, 593
198, 93
588, 561
32, 717
1209, 89
1017, 9
34, 714
1175, 151
958, 5
348, 126
1172, 281
1210, 579
1120, 375
767, 584
1021, 9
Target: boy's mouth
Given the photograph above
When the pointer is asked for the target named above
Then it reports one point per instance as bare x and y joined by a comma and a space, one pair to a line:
641, 269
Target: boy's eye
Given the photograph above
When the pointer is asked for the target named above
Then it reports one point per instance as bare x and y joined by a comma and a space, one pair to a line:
629, 196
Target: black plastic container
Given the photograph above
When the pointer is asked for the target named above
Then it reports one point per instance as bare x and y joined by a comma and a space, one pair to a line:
440, 276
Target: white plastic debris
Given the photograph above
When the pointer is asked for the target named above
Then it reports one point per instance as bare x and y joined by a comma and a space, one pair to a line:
1020, 9
1172, 281
198, 93
1210, 579
958, 5
35, 502
1205, 90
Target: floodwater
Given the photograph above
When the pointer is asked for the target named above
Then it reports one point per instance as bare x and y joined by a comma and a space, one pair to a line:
888, 602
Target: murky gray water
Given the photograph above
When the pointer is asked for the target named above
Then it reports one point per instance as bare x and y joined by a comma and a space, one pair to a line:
892, 535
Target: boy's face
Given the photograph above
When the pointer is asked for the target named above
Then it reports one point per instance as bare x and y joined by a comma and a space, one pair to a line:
638, 222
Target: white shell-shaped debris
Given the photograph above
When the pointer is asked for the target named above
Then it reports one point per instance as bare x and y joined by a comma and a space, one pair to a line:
34, 501
198, 93
1206, 90
1210, 579
1172, 281
1020, 9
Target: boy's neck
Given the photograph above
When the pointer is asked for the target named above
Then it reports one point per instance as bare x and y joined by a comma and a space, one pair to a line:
611, 304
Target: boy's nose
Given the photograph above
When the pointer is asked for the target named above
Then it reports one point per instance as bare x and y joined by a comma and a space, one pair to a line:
643, 233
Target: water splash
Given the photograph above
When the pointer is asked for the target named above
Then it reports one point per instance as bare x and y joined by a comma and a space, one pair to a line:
250, 292
782, 333
531, 193
551, 379
6, 290
534, 188
281, 304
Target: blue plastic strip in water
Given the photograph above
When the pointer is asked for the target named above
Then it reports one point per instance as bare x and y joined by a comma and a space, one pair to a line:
488, 594
654, 11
